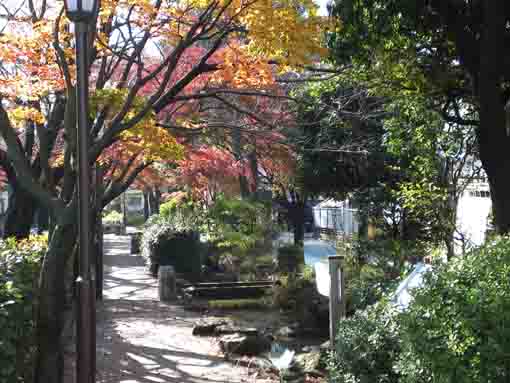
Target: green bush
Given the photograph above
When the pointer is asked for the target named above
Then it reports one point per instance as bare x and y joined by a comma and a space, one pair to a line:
235, 229
292, 287
20, 264
374, 269
183, 213
162, 244
458, 327
290, 258
135, 219
113, 217
367, 347
238, 225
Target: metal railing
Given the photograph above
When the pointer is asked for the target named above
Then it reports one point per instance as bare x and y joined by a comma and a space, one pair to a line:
337, 219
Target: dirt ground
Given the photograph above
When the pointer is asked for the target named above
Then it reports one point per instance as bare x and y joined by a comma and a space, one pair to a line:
141, 340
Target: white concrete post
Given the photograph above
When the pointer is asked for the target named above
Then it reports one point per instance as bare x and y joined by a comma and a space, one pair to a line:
166, 283
336, 296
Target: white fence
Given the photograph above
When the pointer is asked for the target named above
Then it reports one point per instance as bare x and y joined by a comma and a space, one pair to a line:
339, 219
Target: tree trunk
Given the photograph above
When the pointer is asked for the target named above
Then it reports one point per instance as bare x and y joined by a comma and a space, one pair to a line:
493, 139
451, 222
146, 206
123, 210
154, 199
244, 187
297, 218
20, 213
237, 148
157, 199
51, 306
254, 166
299, 233
42, 219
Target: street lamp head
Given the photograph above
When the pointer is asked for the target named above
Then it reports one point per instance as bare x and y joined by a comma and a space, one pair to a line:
81, 10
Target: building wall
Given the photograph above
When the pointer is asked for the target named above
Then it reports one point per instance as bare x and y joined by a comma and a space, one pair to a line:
473, 213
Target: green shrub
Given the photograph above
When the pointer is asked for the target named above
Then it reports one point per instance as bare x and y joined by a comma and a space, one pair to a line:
135, 219
253, 263
113, 217
290, 258
366, 348
19, 270
162, 244
289, 293
183, 213
238, 225
236, 229
374, 269
458, 327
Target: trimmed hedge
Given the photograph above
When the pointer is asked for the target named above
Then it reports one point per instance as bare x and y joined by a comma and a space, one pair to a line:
163, 245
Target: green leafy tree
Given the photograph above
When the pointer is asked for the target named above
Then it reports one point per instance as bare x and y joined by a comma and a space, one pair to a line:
341, 138
456, 53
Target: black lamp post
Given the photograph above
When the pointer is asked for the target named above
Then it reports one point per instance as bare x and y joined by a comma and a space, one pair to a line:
82, 13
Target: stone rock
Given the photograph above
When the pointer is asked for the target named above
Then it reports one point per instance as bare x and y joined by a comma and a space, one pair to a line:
207, 328
244, 344
308, 362
287, 332
291, 376
325, 346
310, 349
256, 362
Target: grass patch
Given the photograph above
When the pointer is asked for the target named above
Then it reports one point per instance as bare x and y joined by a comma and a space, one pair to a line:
264, 259
240, 304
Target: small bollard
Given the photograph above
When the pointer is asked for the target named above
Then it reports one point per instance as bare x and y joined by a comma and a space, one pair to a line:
336, 296
166, 283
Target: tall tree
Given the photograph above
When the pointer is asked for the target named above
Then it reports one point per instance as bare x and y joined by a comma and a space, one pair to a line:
142, 76
456, 51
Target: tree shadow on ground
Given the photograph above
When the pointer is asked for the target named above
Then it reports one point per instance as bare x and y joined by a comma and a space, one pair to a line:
142, 340
120, 261
135, 363
162, 353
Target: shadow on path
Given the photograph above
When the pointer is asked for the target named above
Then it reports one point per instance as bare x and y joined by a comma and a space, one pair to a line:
141, 340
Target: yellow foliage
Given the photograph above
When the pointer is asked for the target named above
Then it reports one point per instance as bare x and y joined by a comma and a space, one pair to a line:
289, 32
19, 115
241, 70
155, 143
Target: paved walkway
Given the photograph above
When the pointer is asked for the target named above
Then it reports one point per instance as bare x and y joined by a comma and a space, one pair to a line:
141, 340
